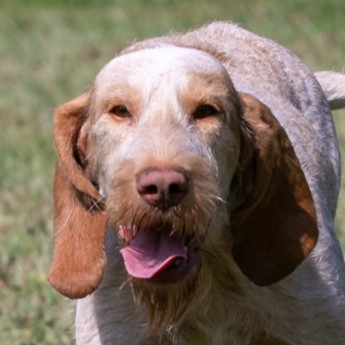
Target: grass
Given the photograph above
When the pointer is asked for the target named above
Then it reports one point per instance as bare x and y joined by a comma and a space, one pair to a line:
49, 53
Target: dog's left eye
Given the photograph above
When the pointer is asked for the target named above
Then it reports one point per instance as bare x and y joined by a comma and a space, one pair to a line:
121, 111
203, 111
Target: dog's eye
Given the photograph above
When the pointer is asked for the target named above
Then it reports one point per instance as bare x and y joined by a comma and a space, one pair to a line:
203, 111
121, 111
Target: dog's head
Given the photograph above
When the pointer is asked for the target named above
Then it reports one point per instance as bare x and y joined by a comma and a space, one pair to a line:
191, 174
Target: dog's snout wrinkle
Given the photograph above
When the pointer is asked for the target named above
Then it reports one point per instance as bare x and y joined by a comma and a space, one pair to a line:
163, 188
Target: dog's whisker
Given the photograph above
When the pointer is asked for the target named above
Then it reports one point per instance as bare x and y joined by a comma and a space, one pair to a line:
218, 198
141, 222
126, 282
96, 204
134, 216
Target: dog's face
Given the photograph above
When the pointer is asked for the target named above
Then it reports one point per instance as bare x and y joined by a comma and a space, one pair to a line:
164, 146
183, 165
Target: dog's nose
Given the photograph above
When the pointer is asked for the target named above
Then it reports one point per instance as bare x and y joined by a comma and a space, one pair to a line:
163, 188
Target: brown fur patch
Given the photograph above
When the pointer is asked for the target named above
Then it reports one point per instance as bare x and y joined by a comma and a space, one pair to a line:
275, 228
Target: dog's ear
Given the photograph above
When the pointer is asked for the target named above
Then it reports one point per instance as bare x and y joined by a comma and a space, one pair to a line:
275, 227
79, 221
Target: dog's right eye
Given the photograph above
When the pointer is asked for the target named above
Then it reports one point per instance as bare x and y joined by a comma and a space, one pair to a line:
121, 111
203, 111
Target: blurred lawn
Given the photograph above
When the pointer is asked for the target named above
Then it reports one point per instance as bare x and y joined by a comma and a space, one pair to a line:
49, 53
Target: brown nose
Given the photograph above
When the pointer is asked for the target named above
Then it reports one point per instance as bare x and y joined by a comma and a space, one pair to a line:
162, 188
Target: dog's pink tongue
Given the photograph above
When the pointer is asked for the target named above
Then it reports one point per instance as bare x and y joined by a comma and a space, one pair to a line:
151, 252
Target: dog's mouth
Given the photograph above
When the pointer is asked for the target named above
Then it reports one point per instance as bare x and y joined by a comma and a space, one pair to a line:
160, 257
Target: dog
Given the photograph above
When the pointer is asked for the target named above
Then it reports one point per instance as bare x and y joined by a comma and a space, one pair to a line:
195, 192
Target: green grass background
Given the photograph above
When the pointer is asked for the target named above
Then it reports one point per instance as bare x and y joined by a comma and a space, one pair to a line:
49, 53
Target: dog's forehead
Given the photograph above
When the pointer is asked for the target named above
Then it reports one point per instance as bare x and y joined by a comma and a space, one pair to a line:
164, 63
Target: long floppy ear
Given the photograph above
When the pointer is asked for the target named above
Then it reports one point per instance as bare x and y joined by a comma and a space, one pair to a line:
79, 222
275, 227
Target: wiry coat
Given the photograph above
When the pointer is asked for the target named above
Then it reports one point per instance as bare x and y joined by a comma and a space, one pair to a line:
248, 127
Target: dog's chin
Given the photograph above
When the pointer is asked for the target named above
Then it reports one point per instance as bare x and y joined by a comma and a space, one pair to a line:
167, 296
